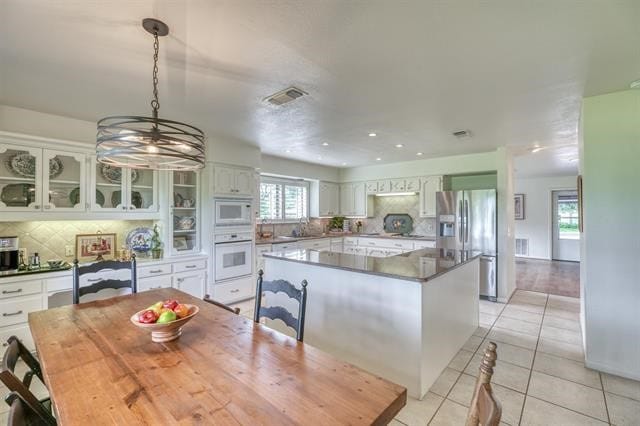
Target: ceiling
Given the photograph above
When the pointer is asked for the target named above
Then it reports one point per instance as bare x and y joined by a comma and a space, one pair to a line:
511, 72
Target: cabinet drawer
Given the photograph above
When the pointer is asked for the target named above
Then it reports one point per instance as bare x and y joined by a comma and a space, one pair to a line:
151, 271
425, 244
189, 266
400, 244
265, 248
21, 331
370, 242
16, 311
20, 289
350, 241
285, 246
316, 244
234, 290
150, 283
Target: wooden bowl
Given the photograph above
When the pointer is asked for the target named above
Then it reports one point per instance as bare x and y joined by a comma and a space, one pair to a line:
169, 331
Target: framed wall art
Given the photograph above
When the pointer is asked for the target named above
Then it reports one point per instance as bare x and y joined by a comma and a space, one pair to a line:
518, 208
95, 247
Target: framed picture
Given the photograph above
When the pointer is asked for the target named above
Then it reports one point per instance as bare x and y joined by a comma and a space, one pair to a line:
518, 208
180, 243
580, 205
98, 246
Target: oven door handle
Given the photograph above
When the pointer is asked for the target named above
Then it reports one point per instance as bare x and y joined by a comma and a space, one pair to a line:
229, 243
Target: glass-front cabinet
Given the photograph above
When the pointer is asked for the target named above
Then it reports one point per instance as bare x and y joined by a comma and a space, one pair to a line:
26, 185
184, 221
123, 189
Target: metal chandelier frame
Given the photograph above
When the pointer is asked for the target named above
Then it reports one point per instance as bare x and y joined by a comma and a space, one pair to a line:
150, 142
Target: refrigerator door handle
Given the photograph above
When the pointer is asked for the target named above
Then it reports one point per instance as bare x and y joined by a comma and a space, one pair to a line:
466, 221
460, 221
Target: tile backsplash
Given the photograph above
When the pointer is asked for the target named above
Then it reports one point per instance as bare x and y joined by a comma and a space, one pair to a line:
409, 204
49, 238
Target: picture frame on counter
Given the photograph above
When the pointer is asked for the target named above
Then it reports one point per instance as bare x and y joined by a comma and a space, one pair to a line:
518, 207
180, 243
95, 247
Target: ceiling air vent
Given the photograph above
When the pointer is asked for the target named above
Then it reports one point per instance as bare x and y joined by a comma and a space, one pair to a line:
285, 96
462, 134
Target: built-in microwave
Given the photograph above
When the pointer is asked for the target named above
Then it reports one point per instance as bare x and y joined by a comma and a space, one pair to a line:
233, 211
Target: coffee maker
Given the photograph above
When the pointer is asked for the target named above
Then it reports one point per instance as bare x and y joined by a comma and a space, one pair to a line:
9, 254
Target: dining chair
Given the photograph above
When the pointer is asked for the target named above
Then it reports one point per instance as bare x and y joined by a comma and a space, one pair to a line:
279, 312
17, 351
485, 409
21, 413
106, 274
221, 305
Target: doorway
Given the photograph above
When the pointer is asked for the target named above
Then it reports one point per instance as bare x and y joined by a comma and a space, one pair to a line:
565, 227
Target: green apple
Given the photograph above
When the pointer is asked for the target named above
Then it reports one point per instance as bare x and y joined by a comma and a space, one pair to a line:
156, 307
166, 316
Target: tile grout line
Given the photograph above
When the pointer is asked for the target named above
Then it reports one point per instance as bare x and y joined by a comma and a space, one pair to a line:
533, 361
604, 395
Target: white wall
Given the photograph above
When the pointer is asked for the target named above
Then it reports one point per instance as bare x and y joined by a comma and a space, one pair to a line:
611, 240
506, 249
291, 168
536, 227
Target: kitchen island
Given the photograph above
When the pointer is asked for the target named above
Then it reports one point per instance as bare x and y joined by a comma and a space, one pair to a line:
402, 317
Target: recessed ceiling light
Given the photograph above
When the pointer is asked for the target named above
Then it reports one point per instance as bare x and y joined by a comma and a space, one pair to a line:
319, 157
635, 84
378, 159
573, 160
399, 145
287, 151
325, 144
373, 135
536, 149
419, 154
344, 164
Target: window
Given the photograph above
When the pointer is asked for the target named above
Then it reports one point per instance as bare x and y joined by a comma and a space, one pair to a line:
283, 199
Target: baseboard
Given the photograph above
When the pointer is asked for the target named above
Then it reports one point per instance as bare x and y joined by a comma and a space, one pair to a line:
532, 257
611, 370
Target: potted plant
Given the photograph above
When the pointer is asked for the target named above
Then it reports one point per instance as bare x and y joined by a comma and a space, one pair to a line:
156, 243
336, 223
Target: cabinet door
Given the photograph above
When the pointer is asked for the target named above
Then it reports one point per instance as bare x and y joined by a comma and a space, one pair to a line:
65, 181
329, 199
191, 282
244, 183
142, 190
334, 199
224, 180
428, 188
372, 187
151, 283
360, 199
412, 184
346, 199
185, 211
20, 178
108, 188
384, 186
397, 185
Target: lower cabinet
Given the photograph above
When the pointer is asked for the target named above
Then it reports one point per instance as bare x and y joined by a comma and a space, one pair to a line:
234, 290
192, 283
151, 283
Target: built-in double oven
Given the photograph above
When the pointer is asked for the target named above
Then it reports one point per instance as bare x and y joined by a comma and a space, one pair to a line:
233, 238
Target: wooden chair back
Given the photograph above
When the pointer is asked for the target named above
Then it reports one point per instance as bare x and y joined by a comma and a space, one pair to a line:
279, 312
20, 413
100, 283
485, 409
221, 305
14, 352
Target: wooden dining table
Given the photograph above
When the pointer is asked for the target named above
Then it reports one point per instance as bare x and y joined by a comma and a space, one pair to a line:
224, 369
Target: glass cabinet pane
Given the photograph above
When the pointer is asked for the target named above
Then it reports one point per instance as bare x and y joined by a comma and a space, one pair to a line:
18, 174
108, 186
65, 184
185, 218
141, 196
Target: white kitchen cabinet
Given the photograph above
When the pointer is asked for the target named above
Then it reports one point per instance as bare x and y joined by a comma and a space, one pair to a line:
234, 181
354, 201
429, 186
320, 244
234, 290
397, 185
184, 226
285, 246
152, 283
384, 186
336, 245
424, 244
192, 283
372, 187
324, 199
115, 189
260, 250
412, 184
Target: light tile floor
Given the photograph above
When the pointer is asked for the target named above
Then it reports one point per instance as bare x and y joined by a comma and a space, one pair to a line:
540, 377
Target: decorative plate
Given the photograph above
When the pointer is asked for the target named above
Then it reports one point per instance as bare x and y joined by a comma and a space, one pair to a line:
186, 223
24, 164
139, 239
74, 197
114, 174
18, 194
136, 199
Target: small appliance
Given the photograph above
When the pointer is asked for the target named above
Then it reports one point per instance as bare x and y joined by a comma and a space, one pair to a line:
233, 212
9, 254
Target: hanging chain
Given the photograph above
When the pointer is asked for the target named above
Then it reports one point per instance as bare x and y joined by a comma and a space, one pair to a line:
155, 104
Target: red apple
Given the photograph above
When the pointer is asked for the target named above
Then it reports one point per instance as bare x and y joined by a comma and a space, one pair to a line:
148, 317
170, 304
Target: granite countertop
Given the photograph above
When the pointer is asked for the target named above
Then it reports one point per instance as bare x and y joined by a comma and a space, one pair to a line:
285, 239
41, 270
418, 265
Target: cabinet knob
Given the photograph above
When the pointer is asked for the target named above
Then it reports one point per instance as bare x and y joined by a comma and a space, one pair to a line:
37, 206
124, 207
48, 206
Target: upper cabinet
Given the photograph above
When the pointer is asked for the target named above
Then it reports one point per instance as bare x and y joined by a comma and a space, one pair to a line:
354, 201
184, 223
122, 189
386, 186
26, 184
324, 199
234, 181
428, 187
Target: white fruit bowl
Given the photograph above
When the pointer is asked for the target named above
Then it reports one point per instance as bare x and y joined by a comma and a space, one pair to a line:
169, 331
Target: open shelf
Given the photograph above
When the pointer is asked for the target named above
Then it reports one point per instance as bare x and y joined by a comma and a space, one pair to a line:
184, 231
17, 179
183, 185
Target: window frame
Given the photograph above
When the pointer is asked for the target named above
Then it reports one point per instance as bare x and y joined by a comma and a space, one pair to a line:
284, 182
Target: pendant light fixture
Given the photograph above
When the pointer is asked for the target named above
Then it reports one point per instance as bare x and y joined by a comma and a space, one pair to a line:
150, 142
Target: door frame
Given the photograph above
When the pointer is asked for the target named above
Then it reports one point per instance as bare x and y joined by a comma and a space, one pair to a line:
550, 230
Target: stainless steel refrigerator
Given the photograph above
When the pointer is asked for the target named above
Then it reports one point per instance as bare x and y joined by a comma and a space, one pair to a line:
466, 220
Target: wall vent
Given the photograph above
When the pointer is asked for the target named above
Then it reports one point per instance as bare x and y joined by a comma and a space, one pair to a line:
462, 134
285, 96
522, 247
